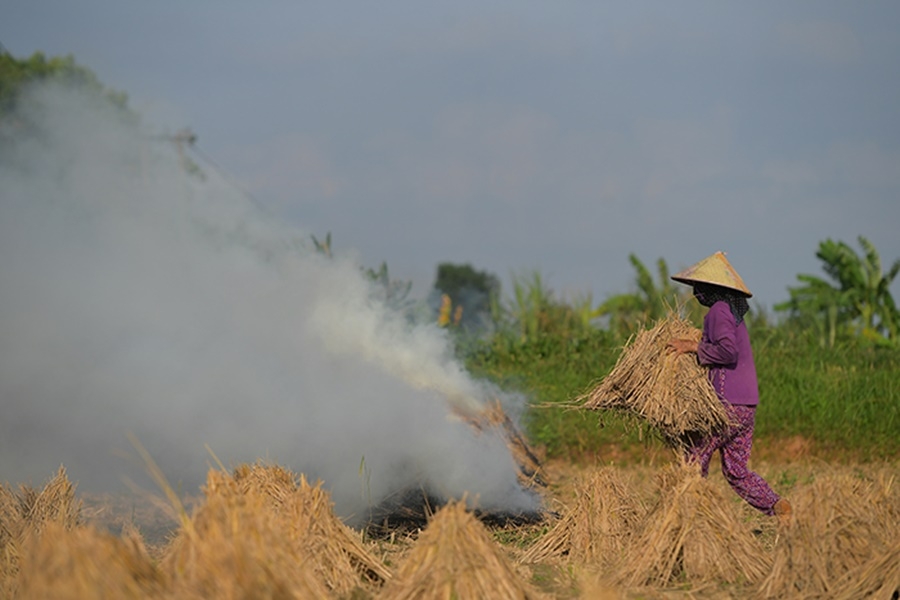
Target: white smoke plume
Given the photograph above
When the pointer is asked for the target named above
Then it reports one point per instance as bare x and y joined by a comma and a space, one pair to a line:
136, 297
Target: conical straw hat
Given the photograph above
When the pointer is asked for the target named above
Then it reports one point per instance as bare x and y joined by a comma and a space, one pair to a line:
716, 270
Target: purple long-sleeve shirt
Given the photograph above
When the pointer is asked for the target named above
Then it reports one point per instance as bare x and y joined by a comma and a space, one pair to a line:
725, 349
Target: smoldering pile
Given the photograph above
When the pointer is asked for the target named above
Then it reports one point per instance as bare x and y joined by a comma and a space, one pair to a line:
670, 392
410, 508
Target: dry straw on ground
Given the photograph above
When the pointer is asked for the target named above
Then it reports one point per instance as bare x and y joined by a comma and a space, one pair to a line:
843, 525
265, 534
80, 563
669, 391
26, 513
879, 577
594, 529
695, 534
455, 558
234, 546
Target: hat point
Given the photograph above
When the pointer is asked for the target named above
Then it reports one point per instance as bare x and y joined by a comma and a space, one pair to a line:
716, 270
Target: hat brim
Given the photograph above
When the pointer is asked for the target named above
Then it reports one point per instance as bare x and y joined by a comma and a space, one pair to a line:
691, 282
714, 270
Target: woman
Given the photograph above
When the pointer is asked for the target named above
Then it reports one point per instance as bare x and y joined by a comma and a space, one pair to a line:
725, 348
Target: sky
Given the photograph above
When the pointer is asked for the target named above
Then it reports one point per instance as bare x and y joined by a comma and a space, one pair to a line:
524, 136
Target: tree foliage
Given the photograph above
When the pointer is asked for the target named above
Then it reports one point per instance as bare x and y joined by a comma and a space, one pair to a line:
534, 311
394, 293
471, 293
649, 301
17, 74
856, 301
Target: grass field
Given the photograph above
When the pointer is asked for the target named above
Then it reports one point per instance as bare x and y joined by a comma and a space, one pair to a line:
844, 402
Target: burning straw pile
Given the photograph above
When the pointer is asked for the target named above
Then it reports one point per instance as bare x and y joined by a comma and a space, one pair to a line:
531, 473
669, 391
455, 557
410, 509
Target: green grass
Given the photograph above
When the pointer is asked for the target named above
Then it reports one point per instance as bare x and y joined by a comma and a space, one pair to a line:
844, 401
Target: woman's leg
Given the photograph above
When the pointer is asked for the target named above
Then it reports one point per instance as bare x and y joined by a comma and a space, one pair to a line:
735, 456
701, 450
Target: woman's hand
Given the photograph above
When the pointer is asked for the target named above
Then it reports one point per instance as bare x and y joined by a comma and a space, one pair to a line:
682, 346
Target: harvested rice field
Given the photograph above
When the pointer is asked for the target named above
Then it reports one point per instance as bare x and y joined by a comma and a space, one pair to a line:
617, 531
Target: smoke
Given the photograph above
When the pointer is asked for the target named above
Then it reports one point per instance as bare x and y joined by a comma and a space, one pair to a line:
138, 297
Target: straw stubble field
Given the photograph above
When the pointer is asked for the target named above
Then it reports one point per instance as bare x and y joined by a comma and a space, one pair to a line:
654, 529
610, 531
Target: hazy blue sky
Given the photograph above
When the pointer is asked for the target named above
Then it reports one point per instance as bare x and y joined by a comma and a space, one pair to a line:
525, 135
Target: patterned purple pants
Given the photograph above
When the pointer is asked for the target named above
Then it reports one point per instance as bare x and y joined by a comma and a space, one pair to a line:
734, 447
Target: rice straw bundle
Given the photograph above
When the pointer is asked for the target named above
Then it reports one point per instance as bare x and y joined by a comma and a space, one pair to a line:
273, 481
669, 391
694, 531
455, 558
27, 512
78, 563
9, 525
235, 546
9, 515
336, 551
263, 515
839, 526
877, 578
595, 528
55, 503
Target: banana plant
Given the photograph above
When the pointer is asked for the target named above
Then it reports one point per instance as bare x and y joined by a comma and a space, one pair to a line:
650, 300
857, 297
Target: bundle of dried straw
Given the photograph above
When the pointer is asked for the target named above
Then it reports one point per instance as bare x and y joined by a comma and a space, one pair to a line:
264, 533
455, 557
671, 392
25, 514
595, 528
843, 537
84, 562
235, 546
694, 532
